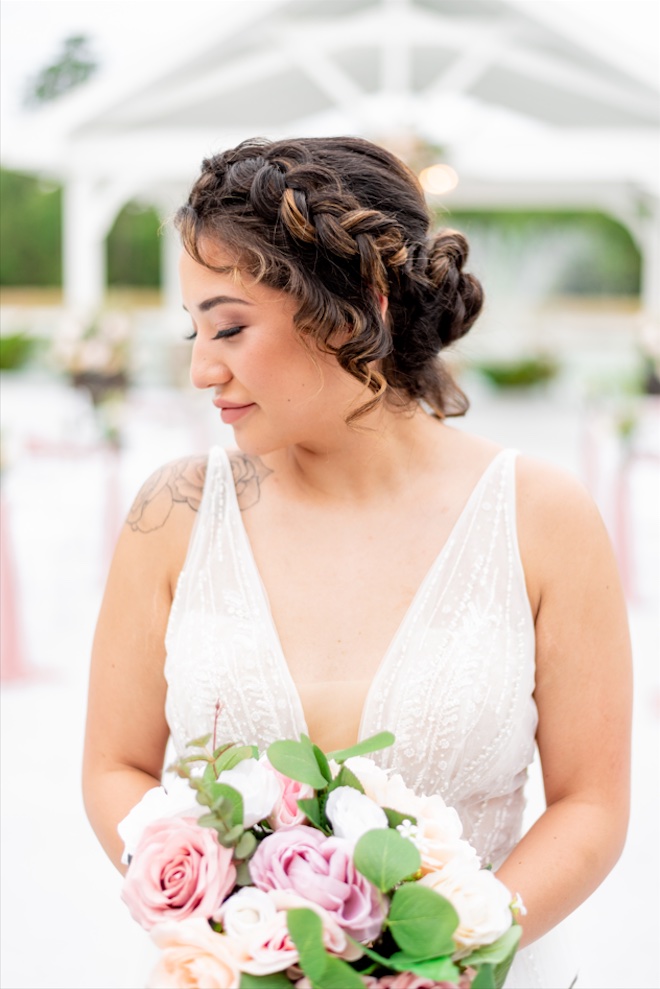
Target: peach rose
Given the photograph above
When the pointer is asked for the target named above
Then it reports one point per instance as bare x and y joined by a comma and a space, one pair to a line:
179, 870
438, 837
194, 957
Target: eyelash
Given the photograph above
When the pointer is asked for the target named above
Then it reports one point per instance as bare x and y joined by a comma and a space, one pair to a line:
232, 331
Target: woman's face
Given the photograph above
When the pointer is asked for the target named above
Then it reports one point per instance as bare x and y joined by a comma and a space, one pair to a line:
274, 390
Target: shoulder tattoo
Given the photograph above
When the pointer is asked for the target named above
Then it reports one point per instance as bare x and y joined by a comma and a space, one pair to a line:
249, 474
180, 482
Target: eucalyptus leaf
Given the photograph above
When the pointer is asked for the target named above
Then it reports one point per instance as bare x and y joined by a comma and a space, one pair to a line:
229, 838
297, 761
233, 809
245, 846
277, 980
421, 921
232, 757
373, 744
243, 877
484, 979
199, 743
385, 859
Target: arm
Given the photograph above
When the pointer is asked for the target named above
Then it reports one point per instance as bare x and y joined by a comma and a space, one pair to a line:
583, 694
126, 732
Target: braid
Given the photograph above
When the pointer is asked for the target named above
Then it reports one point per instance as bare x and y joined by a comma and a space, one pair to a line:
338, 223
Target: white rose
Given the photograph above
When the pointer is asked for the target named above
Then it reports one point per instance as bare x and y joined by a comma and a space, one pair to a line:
245, 911
481, 901
385, 790
178, 800
439, 839
352, 814
258, 787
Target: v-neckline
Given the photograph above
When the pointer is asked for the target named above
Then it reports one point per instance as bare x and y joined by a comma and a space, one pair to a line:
285, 672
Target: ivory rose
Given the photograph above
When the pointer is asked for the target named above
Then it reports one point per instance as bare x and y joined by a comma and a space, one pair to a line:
194, 957
286, 811
385, 789
179, 870
481, 901
320, 869
438, 837
352, 813
175, 799
245, 911
257, 786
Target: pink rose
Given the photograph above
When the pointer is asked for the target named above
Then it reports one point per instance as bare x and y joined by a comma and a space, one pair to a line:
179, 870
286, 811
194, 957
408, 980
320, 869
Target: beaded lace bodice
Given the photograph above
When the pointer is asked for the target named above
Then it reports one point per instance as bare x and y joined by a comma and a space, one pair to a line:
455, 685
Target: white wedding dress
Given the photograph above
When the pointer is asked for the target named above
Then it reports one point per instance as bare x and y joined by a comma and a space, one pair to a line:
455, 686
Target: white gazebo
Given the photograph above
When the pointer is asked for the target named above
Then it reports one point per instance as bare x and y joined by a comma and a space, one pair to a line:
529, 103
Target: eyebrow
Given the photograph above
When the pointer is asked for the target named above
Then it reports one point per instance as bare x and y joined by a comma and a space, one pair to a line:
220, 300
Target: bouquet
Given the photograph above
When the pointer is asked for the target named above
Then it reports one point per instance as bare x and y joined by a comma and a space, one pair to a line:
294, 867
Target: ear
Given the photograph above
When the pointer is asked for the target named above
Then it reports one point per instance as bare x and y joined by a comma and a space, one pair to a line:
383, 302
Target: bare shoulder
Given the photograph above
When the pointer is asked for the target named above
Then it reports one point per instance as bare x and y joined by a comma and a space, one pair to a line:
179, 482
249, 474
563, 540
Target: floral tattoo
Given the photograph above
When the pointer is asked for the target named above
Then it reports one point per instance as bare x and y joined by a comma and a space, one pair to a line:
249, 474
180, 482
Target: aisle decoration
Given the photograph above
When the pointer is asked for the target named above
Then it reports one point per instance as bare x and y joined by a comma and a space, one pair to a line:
293, 867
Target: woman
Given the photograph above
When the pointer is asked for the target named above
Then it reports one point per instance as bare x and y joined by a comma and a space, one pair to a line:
358, 564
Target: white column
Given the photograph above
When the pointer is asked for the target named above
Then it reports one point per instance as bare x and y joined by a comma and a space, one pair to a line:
650, 247
169, 267
83, 248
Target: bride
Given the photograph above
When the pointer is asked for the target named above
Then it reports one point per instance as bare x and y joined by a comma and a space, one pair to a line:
358, 564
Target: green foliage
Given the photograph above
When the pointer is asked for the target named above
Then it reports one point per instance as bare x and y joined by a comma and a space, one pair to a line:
421, 921
599, 254
385, 858
30, 231
133, 248
323, 970
523, 373
74, 65
16, 350
278, 980
382, 740
497, 956
298, 761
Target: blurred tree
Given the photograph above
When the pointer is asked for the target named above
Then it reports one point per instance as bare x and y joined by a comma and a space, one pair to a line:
133, 247
30, 231
74, 65
584, 253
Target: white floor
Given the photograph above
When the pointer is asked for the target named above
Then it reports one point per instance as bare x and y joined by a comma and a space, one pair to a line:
63, 924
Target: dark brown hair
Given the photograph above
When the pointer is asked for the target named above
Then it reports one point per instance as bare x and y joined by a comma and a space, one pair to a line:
338, 222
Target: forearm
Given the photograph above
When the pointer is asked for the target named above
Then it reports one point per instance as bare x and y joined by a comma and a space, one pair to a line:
109, 795
561, 860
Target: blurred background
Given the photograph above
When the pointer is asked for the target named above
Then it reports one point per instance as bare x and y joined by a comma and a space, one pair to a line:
534, 127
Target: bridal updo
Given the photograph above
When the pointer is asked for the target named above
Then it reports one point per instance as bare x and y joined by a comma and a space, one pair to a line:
339, 223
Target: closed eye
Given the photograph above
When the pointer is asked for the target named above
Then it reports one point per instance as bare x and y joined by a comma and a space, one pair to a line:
229, 332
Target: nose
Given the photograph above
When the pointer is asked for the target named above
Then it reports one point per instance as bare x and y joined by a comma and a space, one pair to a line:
206, 371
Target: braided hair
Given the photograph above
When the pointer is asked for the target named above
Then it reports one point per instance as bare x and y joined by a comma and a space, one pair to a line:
338, 223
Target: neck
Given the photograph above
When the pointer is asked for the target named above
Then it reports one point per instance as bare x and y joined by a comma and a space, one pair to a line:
370, 458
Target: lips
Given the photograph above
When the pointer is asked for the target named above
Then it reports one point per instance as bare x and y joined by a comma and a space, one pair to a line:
231, 412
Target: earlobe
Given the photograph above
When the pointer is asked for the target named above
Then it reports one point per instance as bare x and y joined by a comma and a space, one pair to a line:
384, 303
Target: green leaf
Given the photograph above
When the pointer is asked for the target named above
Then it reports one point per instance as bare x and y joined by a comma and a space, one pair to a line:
380, 741
297, 761
346, 778
306, 930
385, 859
323, 970
232, 811
245, 846
498, 951
322, 762
436, 969
395, 817
277, 980
199, 743
484, 978
231, 757
421, 921
310, 806
229, 838
243, 877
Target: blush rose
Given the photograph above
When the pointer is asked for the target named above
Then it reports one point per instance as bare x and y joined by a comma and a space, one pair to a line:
321, 869
194, 957
179, 870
